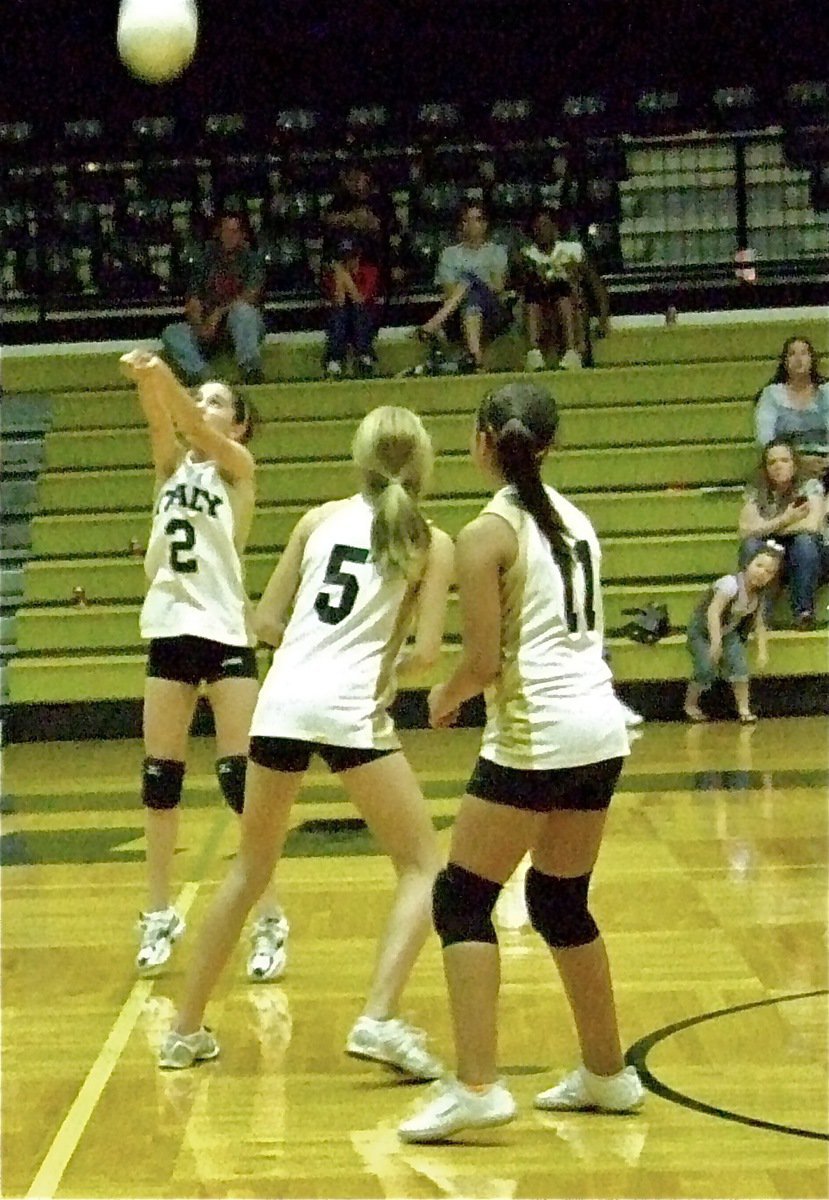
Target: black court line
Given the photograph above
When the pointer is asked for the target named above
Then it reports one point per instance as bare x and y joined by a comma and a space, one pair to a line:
638, 1052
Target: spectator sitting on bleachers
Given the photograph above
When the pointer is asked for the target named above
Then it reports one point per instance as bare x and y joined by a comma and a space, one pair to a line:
221, 299
795, 405
472, 275
352, 284
359, 210
545, 268
789, 507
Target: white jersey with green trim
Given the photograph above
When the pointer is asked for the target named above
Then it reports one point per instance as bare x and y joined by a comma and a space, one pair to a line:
192, 564
553, 703
332, 676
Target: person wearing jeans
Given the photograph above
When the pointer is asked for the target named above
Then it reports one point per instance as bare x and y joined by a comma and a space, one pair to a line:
801, 570
785, 506
352, 286
222, 301
472, 275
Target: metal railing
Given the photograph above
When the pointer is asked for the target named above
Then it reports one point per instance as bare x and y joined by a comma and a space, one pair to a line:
88, 235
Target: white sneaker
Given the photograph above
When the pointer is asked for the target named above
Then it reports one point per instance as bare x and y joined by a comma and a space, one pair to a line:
571, 360
181, 1050
454, 1108
395, 1044
582, 1091
333, 369
534, 361
632, 717
269, 953
158, 932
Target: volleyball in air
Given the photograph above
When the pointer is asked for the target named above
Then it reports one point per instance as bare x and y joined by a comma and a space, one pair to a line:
157, 38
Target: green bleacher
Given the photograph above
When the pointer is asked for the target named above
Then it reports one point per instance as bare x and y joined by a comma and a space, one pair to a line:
656, 444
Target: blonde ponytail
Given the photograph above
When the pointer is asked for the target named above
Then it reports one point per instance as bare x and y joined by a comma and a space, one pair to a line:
394, 453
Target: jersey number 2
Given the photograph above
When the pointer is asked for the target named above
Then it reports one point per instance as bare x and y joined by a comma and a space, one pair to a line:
330, 613
186, 541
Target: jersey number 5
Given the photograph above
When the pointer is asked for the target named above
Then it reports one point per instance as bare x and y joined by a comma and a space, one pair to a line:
581, 550
185, 539
330, 613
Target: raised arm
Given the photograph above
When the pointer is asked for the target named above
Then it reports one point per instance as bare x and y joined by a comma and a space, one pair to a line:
165, 446
231, 457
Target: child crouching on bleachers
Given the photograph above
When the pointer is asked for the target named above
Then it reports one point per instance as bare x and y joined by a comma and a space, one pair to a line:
719, 629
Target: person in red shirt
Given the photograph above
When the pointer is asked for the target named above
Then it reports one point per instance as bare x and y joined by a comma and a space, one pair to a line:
352, 285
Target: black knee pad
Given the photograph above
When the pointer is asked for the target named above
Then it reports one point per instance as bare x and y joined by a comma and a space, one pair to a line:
161, 781
231, 774
558, 909
462, 905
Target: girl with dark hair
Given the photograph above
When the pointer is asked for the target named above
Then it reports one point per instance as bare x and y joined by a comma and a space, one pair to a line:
546, 269
195, 617
720, 626
795, 403
355, 576
552, 751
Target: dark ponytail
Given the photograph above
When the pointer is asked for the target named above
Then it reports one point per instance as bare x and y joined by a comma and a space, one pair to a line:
522, 420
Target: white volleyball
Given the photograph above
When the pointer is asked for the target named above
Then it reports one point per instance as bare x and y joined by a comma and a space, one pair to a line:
157, 38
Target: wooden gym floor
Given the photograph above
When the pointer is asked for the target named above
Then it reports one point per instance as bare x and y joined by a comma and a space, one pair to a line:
711, 891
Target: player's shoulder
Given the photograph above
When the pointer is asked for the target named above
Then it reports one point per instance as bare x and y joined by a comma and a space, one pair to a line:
320, 513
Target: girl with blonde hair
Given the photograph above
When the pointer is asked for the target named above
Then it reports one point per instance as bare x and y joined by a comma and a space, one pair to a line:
356, 576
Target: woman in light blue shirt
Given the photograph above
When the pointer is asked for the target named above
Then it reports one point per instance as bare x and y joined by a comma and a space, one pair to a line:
795, 404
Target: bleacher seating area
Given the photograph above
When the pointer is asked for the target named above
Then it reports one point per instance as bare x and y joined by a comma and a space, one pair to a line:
656, 444
103, 222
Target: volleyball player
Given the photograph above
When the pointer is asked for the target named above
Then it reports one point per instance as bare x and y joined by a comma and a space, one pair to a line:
552, 751
195, 617
356, 575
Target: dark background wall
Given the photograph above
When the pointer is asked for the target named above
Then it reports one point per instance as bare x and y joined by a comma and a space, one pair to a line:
59, 58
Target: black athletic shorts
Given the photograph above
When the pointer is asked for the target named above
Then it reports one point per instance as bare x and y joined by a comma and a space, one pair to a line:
294, 755
589, 788
188, 659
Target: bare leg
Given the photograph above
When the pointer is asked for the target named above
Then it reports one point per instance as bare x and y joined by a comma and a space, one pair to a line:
740, 689
534, 325
472, 332
168, 713
233, 702
567, 846
692, 696
268, 799
568, 322
489, 840
387, 795
581, 317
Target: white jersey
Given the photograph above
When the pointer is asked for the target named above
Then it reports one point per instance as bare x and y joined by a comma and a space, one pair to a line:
192, 564
553, 704
332, 677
